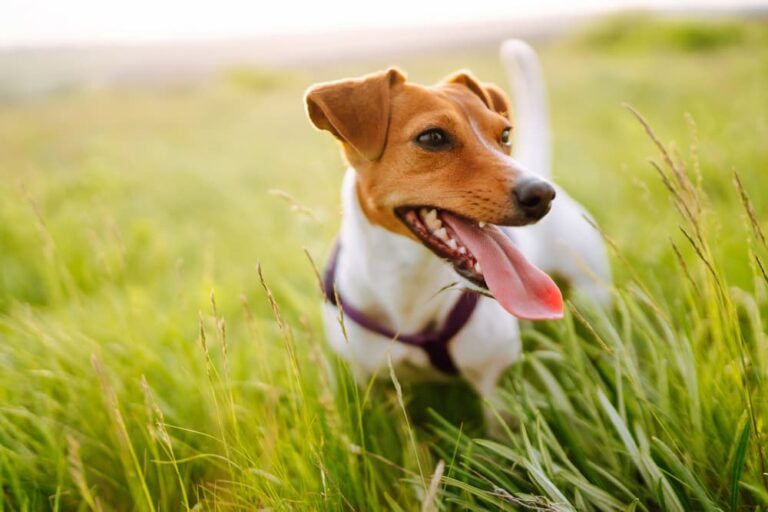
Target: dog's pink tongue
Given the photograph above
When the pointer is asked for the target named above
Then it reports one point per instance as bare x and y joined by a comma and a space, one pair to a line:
520, 287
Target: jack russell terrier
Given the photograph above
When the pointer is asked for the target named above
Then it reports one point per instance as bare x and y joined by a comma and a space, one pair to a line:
432, 197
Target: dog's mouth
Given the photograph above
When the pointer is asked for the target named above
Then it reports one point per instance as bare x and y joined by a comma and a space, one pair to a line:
486, 257
429, 225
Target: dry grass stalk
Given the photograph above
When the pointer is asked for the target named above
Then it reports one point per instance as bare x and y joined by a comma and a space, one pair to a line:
77, 472
684, 267
132, 464
316, 271
295, 205
583, 321
678, 170
762, 269
747, 204
287, 335
428, 503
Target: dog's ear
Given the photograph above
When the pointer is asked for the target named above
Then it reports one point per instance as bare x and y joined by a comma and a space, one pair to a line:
499, 100
468, 80
492, 96
356, 111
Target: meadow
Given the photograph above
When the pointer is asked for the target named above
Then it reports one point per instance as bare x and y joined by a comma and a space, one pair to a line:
161, 346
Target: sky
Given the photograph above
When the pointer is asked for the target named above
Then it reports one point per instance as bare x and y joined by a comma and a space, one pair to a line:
47, 22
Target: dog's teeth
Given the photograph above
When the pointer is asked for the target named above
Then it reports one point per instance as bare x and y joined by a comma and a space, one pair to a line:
434, 224
423, 212
477, 268
431, 219
462, 250
452, 244
442, 234
481, 224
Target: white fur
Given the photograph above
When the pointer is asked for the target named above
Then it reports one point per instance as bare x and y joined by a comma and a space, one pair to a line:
397, 281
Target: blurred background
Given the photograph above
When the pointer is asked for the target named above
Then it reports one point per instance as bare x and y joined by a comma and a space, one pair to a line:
152, 154
48, 46
168, 130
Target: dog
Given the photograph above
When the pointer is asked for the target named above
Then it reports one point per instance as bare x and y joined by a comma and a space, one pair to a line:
434, 198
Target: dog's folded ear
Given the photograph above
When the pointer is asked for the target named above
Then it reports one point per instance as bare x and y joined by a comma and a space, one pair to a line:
499, 100
493, 97
356, 111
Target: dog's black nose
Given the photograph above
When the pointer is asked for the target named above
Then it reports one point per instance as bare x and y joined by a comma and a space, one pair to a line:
534, 196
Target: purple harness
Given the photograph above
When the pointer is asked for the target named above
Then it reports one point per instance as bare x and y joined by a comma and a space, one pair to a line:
434, 343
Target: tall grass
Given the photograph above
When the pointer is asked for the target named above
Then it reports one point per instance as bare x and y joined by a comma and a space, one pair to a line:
160, 341
659, 404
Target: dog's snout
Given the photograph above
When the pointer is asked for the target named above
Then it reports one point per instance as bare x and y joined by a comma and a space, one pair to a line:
534, 196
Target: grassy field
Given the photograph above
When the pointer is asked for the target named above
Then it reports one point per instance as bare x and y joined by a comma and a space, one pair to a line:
145, 364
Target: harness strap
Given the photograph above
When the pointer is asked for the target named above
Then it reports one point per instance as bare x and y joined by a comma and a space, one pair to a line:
434, 343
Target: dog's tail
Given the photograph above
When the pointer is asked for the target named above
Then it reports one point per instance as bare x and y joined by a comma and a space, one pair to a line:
532, 139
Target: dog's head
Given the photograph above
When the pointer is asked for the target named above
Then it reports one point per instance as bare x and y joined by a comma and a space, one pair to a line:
434, 165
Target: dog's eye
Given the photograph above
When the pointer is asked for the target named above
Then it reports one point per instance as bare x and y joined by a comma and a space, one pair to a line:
506, 138
433, 139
